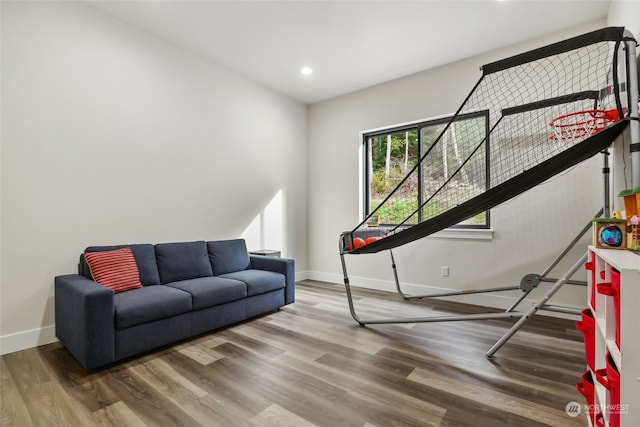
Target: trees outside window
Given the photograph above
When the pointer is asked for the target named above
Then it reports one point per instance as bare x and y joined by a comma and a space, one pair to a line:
458, 159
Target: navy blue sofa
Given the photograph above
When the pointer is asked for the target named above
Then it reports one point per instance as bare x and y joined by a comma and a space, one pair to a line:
188, 288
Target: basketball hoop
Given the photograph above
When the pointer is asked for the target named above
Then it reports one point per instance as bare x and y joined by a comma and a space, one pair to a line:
581, 124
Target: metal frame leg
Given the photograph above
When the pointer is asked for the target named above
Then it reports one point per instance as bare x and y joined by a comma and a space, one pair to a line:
443, 294
509, 313
482, 316
562, 281
348, 290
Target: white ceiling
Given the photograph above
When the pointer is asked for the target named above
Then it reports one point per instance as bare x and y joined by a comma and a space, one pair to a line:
349, 44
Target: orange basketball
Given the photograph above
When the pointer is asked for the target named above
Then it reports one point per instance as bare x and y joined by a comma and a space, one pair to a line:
358, 243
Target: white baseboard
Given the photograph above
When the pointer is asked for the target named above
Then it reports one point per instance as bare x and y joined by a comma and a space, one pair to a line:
302, 275
27, 339
484, 300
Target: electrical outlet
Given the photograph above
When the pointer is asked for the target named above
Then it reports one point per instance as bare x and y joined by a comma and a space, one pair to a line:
445, 271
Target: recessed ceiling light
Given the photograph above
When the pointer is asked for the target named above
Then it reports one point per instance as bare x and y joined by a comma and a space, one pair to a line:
306, 71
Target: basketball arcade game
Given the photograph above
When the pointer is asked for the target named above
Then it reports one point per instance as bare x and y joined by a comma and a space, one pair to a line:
546, 111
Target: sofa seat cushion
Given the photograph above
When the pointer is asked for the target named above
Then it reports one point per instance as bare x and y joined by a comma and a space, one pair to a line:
149, 303
209, 291
258, 281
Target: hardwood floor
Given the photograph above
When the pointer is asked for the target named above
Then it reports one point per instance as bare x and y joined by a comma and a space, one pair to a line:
310, 364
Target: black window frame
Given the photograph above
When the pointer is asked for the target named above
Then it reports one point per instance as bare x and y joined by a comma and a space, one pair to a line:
417, 127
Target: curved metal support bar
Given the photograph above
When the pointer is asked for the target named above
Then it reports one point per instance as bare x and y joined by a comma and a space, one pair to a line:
465, 292
431, 319
347, 287
569, 282
363, 322
395, 276
346, 281
561, 309
443, 294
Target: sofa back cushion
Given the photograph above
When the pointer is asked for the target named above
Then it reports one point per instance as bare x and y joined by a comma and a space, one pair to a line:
182, 261
228, 256
144, 254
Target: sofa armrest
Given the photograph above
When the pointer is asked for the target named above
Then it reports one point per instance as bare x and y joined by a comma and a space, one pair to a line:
285, 266
85, 319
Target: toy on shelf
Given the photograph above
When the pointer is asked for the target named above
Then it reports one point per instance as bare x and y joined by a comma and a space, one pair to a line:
631, 197
610, 233
634, 235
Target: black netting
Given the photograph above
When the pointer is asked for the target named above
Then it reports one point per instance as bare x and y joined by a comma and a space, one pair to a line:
502, 131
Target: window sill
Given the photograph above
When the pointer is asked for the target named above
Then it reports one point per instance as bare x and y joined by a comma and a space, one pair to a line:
465, 233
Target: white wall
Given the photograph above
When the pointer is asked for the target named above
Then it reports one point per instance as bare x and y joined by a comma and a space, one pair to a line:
625, 13
529, 230
110, 135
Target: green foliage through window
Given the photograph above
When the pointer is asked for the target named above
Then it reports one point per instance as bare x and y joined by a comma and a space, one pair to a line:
455, 170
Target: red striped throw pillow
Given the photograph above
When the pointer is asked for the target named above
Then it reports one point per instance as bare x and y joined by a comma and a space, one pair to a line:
117, 270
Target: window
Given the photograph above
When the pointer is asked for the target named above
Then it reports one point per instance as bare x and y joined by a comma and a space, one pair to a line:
458, 159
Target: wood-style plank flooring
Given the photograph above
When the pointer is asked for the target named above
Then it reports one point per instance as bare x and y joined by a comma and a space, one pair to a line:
310, 364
